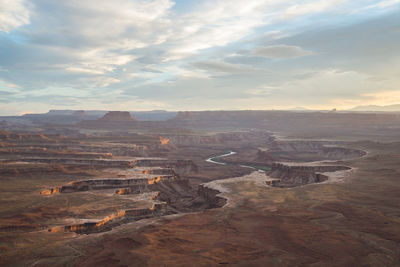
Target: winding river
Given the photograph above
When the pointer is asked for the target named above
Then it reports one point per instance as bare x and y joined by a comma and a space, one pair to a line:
216, 161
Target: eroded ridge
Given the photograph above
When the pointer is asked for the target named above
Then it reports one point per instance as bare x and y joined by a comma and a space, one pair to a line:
290, 175
171, 193
115, 219
136, 185
306, 162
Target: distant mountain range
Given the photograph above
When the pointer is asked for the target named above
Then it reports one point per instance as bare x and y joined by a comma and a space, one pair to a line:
365, 108
395, 107
153, 115
72, 117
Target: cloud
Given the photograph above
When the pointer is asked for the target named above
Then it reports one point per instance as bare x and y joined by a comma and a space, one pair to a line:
151, 70
13, 14
220, 66
152, 50
101, 37
328, 88
383, 4
226, 21
311, 7
83, 70
280, 51
264, 90
98, 37
384, 97
9, 85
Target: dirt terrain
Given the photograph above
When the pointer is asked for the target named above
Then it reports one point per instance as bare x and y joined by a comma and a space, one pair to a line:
138, 195
329, 224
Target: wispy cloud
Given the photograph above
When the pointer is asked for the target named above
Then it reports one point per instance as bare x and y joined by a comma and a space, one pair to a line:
280, 51
221, 66
148, 50
13, 14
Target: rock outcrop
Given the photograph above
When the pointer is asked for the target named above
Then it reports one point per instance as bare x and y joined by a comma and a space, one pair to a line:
117, 116
106, 163
159, 171
300, 175
136, 185
179, 166
164, 141
123, 191
222, 138
307, 151
211, 196
114, 219
132, 150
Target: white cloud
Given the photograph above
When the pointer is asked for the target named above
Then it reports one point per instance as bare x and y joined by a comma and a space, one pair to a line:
185, 72
221, 66
51, 91
9, 85
264, 90
99, 61
105, 20
218, 23
99, 36
280, 51
310, 7
328, 84
123, 45
13, 14
83, 70
384, 4
105, 81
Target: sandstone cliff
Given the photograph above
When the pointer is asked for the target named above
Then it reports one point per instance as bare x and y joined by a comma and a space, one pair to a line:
136, 185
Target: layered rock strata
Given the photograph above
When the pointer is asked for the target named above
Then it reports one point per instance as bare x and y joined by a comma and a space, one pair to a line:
135, 184
123, 216
300, 175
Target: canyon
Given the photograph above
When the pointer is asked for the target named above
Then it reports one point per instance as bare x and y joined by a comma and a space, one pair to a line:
199, 187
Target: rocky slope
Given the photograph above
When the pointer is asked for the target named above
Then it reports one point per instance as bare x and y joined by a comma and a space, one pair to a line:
291, 176
307, 151
222, 138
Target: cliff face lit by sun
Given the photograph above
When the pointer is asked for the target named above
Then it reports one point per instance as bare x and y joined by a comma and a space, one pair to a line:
164, 141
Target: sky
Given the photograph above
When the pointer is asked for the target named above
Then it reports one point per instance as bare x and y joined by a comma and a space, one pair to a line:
198, 55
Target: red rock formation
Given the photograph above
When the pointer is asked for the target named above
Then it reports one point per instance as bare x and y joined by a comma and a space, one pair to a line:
123, 191
135, 185
107, 223
119, 214
164, 141
51, 191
